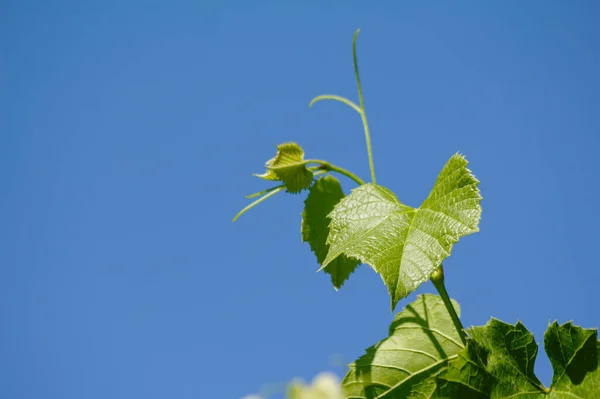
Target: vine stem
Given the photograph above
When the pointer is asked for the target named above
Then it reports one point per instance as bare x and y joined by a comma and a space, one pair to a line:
334, 97
269, 192
324, 165
437, 278
360, 108
363, 115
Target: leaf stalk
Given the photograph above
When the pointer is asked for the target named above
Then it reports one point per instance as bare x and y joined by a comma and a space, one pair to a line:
269, 192
437, 278
324, 165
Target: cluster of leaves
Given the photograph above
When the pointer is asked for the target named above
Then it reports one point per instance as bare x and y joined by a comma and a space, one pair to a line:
423, 357
428, 353
403, 244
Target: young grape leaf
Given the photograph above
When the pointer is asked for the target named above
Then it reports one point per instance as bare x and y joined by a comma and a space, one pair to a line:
322, 197
499, 359
288, 166
403, 244
422, 341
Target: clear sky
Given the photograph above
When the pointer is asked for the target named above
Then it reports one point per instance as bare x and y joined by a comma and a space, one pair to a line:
129, 131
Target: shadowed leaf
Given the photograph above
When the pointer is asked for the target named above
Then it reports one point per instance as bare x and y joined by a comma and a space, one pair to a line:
421, 342
499, 359
322, 197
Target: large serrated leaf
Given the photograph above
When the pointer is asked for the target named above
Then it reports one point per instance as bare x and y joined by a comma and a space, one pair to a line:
422, 341
289, 167
499, 359
322, 197
403, 244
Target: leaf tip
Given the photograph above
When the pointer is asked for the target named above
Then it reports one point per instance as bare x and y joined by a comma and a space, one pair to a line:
393, 303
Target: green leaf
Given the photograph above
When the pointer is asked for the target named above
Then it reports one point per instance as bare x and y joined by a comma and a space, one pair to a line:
499, 359
322, 197
403, 244
422, 341
574, 353
289, 167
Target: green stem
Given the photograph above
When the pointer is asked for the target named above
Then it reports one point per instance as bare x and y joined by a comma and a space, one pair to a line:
258, 194
269, 192
335, 98
258, 201
437, 278
358, 108
363, 115
324, 165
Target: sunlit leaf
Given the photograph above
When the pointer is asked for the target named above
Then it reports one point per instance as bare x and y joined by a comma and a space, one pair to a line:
403, 244
288, 166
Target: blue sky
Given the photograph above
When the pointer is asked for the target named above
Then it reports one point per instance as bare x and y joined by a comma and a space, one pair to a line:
129, 131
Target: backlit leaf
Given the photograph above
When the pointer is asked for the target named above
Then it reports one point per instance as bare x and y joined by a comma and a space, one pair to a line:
288, 166
422, 341
403, 244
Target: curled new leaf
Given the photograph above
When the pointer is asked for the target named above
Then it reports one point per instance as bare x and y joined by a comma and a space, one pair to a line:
322, 197
289, 167
403, 244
